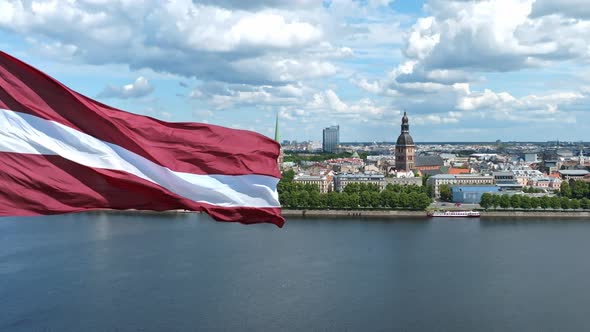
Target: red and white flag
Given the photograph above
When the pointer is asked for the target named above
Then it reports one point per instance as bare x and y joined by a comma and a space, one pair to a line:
63, 152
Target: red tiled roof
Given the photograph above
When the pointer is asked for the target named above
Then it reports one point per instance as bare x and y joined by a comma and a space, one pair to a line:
454, 170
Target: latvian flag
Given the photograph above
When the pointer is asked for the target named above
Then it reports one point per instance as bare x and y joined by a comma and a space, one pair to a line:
63, 152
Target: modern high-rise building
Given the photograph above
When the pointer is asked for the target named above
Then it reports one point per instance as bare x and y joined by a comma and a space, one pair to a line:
404, 148
331, 139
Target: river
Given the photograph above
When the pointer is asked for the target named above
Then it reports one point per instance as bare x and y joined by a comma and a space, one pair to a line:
185, 272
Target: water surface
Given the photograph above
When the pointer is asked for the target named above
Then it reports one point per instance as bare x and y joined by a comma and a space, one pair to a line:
125, 272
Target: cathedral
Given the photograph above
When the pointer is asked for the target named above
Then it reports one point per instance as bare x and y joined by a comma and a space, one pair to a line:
404, 151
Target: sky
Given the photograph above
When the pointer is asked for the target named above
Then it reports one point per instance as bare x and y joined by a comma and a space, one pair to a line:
463, 70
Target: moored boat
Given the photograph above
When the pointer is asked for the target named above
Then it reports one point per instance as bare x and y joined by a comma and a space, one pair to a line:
454, 214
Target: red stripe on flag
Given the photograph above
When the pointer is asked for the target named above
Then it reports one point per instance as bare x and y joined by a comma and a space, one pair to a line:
49, 184
184, 147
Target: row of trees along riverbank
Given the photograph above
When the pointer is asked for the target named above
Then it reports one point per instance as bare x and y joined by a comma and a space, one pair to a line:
528, 203
355, 195
575, 189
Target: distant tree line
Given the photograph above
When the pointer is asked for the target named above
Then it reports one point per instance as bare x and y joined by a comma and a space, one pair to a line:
354, 196
527, 203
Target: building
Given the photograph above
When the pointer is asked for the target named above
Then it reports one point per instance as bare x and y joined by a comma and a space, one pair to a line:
458, 179
404, 149
331, 139
545, 182
404, 181
530, 158
506, 181
428, 163
575, 174
324, 182
525, 175
342, 180
471, 194
346, 165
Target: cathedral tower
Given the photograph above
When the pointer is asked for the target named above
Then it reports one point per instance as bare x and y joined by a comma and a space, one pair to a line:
404, 148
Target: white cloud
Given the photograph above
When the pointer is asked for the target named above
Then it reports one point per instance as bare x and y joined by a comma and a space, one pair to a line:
422, 39
181, 37
140, 88
538, 105
568, 8
283, 70
429, 119
493, 35
328, 103
222, 96
484, 100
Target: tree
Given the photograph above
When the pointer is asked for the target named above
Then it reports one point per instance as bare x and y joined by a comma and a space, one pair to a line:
365, 199
429, 191
565, 203
505, 201
555, 202
525, 202
425, 179
445, 193
285, 199
375, 199
574, 204
342, 200
404, 200
515, 201
351, 188
496, 199
414, 201
425, 201
544, 202
331, 199
302, 198
565, 190
353, 201
288, 176
486, 201
323, 202
579, 189
585, 203
535, 202
313, 199
387, 199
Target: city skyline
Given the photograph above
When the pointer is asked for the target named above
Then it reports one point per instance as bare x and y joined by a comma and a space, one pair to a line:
465, 71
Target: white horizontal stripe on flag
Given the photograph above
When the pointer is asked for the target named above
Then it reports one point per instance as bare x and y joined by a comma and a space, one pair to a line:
28, 134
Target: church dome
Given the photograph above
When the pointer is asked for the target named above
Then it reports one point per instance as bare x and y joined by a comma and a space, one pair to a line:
404, 139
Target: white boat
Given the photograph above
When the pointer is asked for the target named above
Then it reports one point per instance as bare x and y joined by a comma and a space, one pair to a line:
454, 214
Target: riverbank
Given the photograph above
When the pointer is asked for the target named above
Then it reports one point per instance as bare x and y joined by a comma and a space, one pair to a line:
418, 214
377, 213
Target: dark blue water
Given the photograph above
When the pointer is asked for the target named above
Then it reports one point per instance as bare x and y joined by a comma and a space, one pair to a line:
117, 272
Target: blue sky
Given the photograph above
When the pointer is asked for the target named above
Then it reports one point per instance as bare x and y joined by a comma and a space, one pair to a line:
463, 70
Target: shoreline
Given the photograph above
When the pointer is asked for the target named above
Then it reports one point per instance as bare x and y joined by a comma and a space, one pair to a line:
422, 214
392, 214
